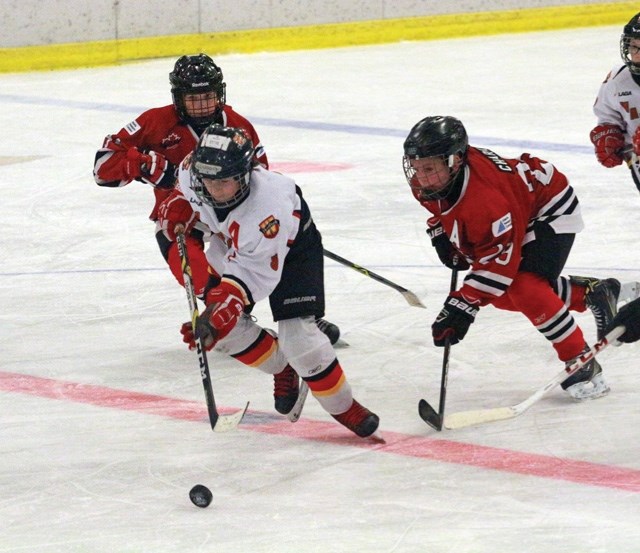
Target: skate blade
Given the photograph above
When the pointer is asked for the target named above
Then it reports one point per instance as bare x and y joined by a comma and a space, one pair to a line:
584, 391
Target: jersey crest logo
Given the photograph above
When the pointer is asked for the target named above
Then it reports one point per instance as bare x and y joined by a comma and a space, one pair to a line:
502, 225
270, 227
132, 128
170, 141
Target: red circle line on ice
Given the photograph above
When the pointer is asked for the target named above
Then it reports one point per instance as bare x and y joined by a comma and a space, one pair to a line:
308, 167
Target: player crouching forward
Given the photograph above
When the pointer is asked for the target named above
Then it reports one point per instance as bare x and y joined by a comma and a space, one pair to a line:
514, 222
274, 251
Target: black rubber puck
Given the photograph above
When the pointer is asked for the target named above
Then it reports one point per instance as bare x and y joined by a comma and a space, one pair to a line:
200, 496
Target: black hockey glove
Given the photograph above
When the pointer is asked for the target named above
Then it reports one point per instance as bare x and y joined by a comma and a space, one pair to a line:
629, 317
453, 321
447, 252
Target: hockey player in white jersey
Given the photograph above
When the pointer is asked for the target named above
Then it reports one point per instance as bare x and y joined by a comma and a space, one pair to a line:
269, 248
616, 137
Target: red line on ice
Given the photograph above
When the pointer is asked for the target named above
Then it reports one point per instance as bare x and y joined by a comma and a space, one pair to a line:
407, 445
309, 167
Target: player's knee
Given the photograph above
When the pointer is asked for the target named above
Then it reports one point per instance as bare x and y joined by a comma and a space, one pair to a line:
306, 348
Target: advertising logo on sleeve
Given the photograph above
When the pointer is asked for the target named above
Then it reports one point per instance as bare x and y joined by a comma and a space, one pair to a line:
502, 225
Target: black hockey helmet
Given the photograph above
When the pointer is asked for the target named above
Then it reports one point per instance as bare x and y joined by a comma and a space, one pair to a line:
222, 153
631, 30
193, 75
435, 136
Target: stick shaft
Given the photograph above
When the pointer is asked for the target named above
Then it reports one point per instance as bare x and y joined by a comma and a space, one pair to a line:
411, 298
445, 357
463, 419
193, 311
427, 412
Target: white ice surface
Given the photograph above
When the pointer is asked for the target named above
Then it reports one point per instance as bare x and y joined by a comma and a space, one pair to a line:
87, 301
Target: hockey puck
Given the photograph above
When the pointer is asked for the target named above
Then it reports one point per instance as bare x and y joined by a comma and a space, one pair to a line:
200, 496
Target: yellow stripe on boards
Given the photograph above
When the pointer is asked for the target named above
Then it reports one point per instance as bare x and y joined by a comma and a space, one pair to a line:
89, 54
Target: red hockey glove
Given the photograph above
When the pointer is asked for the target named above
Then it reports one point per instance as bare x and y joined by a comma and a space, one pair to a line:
151, 167
447, 252
224, 307
453, 321
176, 210
636, 142
609, 142
188, 337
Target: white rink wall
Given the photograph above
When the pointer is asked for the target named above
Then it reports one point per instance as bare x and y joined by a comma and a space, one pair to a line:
46, 22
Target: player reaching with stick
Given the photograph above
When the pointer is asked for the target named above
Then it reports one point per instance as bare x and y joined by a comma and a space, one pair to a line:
150, 148
514, 222
272, 249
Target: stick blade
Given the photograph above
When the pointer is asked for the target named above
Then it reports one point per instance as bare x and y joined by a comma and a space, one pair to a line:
296, 411
376, 438
428, 414
479, 416
228, 423
412, 299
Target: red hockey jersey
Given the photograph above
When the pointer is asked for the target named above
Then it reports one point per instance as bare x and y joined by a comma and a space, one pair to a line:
160, 130
492, 219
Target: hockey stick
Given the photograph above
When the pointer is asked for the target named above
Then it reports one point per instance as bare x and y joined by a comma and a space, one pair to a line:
219, 423
629, 154
427, 413
295, 413
411, 298
479, 416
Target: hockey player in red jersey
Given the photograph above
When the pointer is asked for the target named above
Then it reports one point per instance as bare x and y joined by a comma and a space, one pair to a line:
512, 223
273, 251
151, 147
616, 137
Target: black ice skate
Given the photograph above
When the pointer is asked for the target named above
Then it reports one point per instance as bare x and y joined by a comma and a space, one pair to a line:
359, 419
286, 388
329, 329
588, 382
602, 299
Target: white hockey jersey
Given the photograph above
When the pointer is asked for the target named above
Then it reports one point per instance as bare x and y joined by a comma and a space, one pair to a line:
258, 232
618, 102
